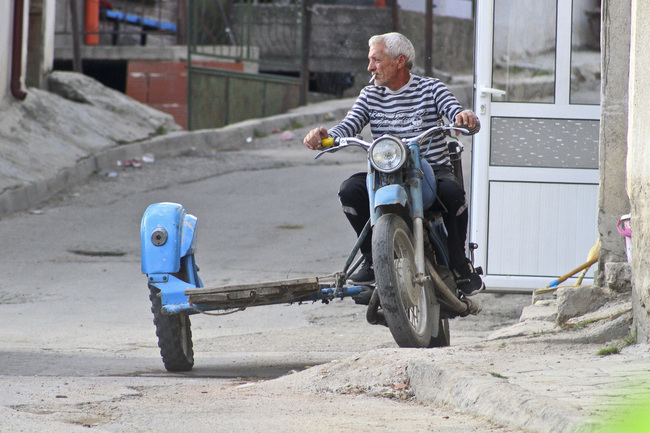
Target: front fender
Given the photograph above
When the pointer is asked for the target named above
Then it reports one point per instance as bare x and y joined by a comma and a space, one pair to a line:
391, 195
166, 235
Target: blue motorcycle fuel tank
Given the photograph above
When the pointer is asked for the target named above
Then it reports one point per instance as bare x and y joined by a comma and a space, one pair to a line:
428, 185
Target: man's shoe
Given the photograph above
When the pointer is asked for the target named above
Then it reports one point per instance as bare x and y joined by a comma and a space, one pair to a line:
468, 281
365, 275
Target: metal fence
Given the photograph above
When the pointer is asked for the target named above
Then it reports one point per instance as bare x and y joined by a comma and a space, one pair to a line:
269, 36
268, 33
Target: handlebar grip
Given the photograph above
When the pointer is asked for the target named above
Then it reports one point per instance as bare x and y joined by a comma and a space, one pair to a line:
470, 131
327, 142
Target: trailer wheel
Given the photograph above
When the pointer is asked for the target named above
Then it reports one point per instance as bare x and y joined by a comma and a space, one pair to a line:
174, 335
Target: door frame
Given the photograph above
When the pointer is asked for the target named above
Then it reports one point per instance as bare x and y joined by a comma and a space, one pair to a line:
486, 109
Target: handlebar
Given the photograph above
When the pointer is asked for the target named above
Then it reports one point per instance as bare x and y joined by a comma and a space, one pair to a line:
333, 144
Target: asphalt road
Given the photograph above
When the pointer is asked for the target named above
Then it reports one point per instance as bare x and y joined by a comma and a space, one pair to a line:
77, 343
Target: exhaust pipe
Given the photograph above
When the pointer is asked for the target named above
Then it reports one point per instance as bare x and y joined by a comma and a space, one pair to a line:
448, 300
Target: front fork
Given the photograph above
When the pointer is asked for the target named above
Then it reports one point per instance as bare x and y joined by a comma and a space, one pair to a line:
412, 201
420, 266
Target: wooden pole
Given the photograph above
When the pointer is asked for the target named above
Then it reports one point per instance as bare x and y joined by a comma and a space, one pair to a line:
428, 38
306, 41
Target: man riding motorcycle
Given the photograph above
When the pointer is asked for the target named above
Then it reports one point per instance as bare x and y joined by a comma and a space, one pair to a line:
402, 104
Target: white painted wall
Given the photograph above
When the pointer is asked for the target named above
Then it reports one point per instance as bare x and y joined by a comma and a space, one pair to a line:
49, 23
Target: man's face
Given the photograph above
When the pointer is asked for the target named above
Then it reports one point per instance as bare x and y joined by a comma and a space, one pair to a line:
382, 66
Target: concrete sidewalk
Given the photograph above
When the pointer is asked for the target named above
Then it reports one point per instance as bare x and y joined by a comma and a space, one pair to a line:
535, 375
544, 382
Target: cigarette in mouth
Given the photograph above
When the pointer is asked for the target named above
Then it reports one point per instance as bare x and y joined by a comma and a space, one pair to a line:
372, 78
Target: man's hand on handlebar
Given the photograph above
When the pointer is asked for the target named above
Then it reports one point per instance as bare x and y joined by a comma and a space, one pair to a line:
467, 119
313, 139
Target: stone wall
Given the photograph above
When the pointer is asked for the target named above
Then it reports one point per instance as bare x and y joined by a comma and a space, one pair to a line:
339, 40
453, 41
638, 161
613, 201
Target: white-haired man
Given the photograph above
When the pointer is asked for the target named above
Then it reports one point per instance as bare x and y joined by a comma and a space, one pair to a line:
403, 104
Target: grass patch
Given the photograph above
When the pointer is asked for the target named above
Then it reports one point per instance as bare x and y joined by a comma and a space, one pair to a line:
612, 350
630, 339
580, 325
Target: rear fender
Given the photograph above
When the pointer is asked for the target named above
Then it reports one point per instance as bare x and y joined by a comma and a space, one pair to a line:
168, 245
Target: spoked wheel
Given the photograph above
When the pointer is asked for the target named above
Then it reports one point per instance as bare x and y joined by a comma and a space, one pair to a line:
406, 305
174, 335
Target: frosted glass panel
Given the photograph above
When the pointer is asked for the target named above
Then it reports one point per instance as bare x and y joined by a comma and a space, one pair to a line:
550, 143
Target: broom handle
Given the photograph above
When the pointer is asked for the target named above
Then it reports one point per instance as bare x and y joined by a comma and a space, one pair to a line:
573, 272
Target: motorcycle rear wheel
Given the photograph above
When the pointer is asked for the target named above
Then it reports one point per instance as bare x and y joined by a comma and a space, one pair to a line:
174, 336
406, 305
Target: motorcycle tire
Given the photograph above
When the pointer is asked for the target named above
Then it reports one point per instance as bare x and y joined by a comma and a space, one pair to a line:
174, 336
406, 305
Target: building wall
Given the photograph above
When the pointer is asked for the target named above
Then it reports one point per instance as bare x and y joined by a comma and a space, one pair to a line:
612, 200
49, 21
39, 39
6, 15
638, 161
6, 41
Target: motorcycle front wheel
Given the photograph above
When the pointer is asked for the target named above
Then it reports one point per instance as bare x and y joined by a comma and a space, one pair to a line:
406, 305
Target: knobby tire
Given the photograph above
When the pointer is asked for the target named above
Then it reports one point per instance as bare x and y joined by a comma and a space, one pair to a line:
406, 307
174, 336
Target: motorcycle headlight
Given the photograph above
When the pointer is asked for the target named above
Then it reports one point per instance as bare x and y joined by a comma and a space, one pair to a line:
387, 154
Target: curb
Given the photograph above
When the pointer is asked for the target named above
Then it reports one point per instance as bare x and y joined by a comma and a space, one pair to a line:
173, 144
481, 394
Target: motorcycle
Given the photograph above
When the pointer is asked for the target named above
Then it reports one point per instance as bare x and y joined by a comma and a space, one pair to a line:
414, 294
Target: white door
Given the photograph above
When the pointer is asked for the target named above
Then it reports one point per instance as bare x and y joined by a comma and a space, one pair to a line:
535, 163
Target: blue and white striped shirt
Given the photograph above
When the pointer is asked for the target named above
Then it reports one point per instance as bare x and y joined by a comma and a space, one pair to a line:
416, 107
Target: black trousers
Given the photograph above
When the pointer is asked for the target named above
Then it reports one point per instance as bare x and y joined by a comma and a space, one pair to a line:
356, 206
